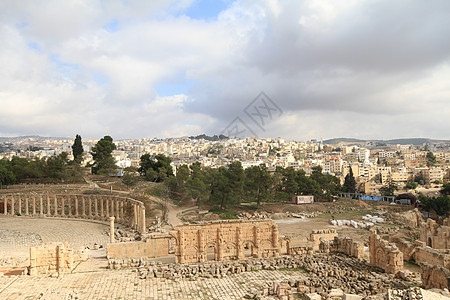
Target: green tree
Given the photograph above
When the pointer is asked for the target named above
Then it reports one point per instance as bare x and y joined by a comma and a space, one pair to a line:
104, 162
328, 185
77, 149
199, 182
431, 159
7, 175
176, 185
129, 179
349, 182
411, 185
388, 189
227, 185
445, 191
257, 183
57, 166
157, 168
441, 205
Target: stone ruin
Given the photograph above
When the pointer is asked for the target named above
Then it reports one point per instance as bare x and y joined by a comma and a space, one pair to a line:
384, 254
54, 258
127, 211
436, 236
343, 245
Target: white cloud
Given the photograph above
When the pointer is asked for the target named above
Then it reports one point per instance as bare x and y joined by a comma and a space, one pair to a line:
337, 68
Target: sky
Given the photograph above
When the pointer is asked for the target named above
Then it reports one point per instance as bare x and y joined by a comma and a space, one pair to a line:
298, 69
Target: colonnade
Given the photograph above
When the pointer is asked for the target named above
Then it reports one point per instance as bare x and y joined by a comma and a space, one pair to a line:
100, 207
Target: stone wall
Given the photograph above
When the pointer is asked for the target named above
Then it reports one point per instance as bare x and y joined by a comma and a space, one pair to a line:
321, 235
161, 245
100, 207
53, 258
343, 245
435, 276
406, 247
384, 254
226, 240
436, 236
432, 257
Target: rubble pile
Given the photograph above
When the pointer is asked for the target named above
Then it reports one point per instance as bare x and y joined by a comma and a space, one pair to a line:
125, 236
257, 215
369, 222
324, 272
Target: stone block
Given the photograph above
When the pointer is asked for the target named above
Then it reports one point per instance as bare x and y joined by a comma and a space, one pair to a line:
352, 297
313, 296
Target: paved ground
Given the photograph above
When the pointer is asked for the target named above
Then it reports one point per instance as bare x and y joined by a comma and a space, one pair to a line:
18, 234
125, 284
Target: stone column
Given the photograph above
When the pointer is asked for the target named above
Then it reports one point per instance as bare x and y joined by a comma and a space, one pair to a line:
257, 242
83, 206
142, 218
101, 207
239, 244
20, 205
56, 205
111, 229
107, 207
76, 205
5, 207
49, 213
33, 258
12, 205
118, 209
181, 247
69, 200
60, 258
275, 237
96, 206
63, 204
201, 245
112, 207
219, 250
34, 205
135, 216
41, 208
121, 209
90, 206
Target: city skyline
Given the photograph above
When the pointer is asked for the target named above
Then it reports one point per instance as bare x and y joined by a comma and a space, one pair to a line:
137, 69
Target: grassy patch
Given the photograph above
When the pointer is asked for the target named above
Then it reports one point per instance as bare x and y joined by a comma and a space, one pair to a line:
224, 214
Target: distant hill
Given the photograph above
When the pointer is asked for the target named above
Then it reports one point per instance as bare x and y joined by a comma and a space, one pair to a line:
404, 141
36, 137
209, 138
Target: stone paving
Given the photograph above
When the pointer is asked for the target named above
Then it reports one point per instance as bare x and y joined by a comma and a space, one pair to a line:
18, 234
125, 284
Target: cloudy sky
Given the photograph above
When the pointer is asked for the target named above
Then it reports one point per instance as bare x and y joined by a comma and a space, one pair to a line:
160, 68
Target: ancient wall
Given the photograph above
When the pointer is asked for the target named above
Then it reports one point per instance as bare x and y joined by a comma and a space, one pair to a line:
406, 247
226, 240
435, 276
384, 254
161, 245
344, 245
321, 235
436, 236
100, 207
53, 258
432, 257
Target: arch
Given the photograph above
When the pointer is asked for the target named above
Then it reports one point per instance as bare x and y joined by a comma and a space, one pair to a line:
430, 242
248, 247
380, 258
210, 251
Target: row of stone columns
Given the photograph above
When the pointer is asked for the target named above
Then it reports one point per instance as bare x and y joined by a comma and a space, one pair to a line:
76, 206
